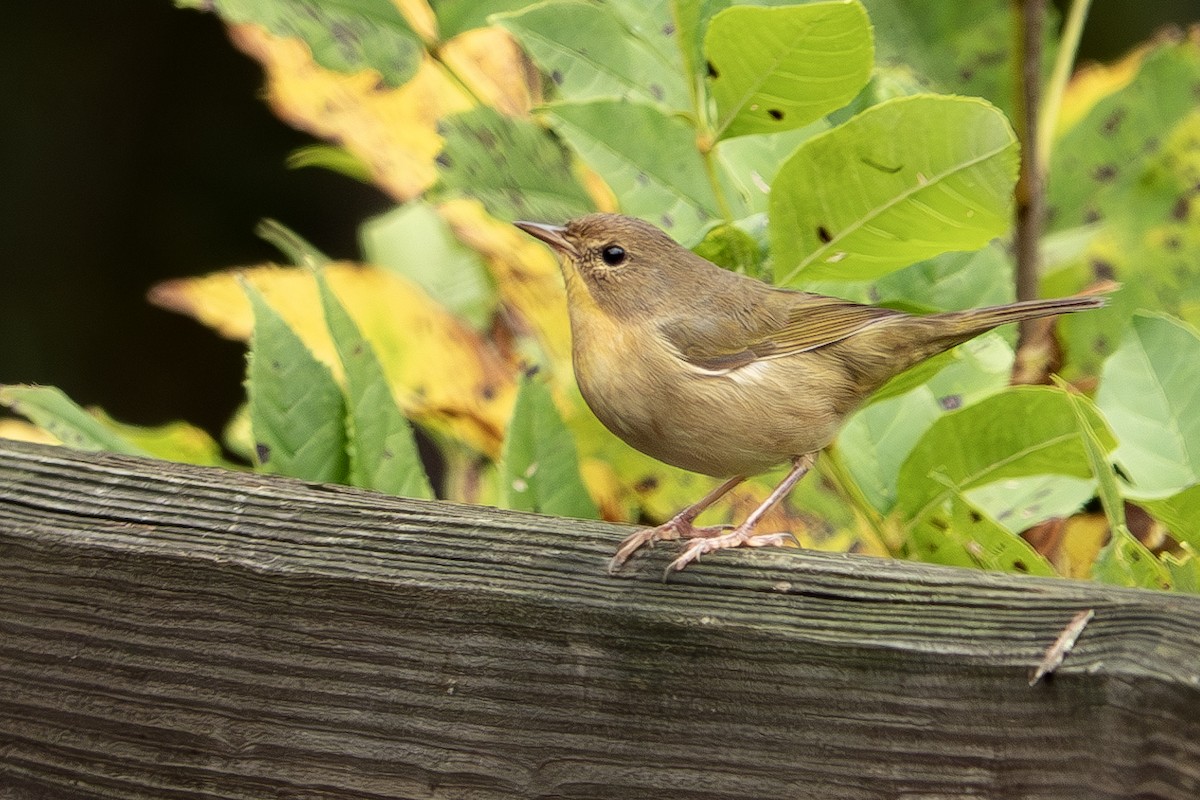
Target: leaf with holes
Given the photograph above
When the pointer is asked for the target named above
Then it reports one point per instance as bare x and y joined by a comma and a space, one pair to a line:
1127, 161
860, 201
296, 409
969, 537
776, 69
383, 453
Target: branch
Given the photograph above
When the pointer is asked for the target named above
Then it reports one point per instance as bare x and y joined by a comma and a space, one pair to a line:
1029, 16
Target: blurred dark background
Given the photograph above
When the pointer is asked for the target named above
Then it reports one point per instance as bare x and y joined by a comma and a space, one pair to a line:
135, 147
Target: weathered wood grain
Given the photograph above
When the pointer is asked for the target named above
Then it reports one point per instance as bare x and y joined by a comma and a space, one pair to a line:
177, 632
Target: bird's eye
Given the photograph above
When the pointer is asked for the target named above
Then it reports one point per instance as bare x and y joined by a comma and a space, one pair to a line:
613, 255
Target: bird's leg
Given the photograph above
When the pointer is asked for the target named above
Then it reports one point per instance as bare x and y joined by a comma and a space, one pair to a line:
680, 525
743, 535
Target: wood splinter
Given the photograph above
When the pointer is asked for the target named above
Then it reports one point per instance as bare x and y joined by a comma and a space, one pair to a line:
1062, 646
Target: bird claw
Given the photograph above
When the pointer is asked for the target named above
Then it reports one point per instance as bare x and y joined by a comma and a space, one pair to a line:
736, 538
672, 529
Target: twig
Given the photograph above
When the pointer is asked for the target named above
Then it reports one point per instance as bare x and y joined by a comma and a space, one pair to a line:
1062, 646
1064, 61
1028, 16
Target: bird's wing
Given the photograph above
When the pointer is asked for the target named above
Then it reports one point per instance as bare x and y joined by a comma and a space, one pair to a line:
804, 322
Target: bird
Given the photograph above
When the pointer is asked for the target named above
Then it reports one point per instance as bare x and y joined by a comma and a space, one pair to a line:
725, 375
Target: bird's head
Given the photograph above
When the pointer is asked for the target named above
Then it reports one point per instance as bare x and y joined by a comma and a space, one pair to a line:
623, 262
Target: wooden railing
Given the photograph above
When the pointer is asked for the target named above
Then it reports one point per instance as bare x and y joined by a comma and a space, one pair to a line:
169, 631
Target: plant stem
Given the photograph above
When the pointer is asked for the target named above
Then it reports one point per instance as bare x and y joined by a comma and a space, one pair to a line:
848, 488
710, 167
1028, 18
1064, 61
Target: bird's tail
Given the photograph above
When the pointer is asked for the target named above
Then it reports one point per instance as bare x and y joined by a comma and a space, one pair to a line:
977, 320
932, 334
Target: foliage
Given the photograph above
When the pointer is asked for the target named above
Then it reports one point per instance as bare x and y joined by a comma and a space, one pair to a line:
795, 142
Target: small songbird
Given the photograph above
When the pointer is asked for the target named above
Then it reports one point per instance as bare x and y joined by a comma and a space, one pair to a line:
722, 374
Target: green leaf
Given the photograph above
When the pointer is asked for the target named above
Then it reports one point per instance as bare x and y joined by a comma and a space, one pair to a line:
296, 248
1183, 570
1124, 144
1020, 503
456, 16
876, 440
513, 166
692, 18
951, 282
415, 242
383, 453
1124, 560
1148, 392
174, 441
1129, 166
731, 247
590, 53
1180, 513
343, 35
653, 23
775, 69
748, 164
330, 157
948, 282
297, 413
1028, 430
970, 537
957, 48
539, 469
648, 158
860, 201
54, 412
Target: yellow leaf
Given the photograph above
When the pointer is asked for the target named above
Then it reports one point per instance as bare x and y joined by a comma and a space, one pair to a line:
23, 431
489, 61
1094, 82
526, 275
612, 497
420, 16
1083, 537
174, 441
442, 373
392, 131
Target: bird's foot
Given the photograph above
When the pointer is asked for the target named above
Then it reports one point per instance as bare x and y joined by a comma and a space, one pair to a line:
738, 537
678, 527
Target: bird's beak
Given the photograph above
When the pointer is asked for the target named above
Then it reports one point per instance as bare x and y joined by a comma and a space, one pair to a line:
553, 235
